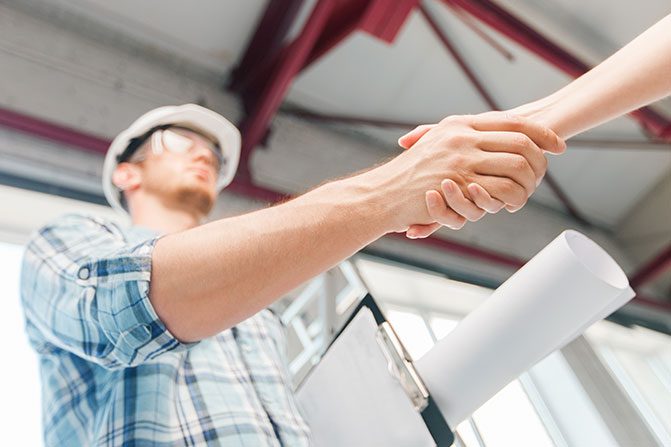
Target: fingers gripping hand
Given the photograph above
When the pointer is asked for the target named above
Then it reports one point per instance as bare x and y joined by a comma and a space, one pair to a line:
451, 209
510, 168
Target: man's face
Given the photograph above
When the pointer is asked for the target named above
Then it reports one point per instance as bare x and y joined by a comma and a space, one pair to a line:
181, 177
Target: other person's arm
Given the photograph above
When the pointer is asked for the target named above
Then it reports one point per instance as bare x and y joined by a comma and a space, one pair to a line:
636, 75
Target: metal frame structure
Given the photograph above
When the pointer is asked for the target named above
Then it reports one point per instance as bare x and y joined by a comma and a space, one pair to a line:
332, 25
499, 19
267, 69
486, 11
245, 187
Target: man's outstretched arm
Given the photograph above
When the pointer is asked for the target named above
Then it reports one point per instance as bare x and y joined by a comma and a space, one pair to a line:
209, 278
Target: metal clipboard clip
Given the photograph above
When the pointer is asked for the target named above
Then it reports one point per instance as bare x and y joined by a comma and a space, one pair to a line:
399, 364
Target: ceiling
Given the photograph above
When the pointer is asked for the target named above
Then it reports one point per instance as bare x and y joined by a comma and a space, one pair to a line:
415, 80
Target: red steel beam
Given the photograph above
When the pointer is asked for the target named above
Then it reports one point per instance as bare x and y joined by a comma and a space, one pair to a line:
54, 132
458, 58
384, 19
573, 142
330, 22
467, 20
649, 271
267, 39
313, 116
342, 21
515, 29
643, 145
81, 140
255, 126
489, 100
461, 249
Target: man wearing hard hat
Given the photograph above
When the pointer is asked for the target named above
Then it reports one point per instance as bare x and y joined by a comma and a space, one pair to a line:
158, 333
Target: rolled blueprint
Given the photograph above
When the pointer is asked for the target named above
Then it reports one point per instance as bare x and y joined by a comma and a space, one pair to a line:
552, 299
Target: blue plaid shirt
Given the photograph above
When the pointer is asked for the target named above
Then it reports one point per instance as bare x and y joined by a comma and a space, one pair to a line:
111, 372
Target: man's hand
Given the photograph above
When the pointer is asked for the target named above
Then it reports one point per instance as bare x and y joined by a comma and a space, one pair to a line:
494, 159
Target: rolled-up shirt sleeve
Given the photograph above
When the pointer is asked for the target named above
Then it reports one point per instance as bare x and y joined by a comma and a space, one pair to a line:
85, 289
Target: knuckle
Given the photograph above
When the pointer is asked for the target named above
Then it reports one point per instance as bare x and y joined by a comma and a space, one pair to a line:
515, 121
522, 141
476, 138
512, 191
452, 139
471, 138
548, 135
456, 139
450, 120
519, 163
458, 120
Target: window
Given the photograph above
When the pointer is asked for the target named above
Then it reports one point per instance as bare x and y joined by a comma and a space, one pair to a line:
509, 418
20, 405
546, 406
640, 360
19, 380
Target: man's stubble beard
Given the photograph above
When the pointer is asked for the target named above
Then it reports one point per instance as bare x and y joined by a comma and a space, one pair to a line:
195, 197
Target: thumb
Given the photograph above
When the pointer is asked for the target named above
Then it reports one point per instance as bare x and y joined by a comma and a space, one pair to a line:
410, 138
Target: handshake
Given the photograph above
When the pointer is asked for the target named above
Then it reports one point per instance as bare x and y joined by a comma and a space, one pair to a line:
464, 167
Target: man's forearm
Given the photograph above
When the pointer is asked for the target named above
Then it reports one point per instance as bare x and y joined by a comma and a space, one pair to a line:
209, 278
638, 74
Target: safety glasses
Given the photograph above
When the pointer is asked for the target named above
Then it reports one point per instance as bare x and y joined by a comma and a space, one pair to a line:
177, 140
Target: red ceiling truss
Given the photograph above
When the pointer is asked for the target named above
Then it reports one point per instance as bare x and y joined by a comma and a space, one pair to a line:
271, 62
91, 143
332, 21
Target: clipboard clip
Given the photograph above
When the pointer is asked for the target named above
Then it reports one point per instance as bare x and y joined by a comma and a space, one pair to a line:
400, 366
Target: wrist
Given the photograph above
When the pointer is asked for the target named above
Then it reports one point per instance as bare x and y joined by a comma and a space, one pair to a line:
546, 113
368, 197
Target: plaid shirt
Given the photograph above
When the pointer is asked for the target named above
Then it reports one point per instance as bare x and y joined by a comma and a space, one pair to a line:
111, 372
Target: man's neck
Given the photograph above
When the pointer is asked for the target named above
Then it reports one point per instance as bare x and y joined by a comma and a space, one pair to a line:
153, 214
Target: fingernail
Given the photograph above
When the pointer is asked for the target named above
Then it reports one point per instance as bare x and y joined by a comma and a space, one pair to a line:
448, 186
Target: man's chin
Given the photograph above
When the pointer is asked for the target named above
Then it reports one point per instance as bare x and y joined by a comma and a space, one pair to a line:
199, 198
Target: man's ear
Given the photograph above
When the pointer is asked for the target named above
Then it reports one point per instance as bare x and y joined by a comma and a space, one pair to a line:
127, 176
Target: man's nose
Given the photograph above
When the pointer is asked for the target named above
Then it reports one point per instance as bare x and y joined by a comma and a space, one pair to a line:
202, 152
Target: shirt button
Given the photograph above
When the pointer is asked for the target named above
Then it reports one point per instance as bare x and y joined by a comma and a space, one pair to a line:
84, 273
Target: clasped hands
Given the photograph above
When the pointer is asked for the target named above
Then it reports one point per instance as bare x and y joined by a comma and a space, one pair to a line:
497, 161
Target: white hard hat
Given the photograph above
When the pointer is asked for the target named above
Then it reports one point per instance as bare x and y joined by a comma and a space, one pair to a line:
188, 115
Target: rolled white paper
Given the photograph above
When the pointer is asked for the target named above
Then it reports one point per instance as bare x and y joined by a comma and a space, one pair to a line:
552, 299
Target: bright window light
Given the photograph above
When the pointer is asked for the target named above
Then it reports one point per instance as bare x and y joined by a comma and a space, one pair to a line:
20, 411
509, 418
412, 330
442, 326
640, 359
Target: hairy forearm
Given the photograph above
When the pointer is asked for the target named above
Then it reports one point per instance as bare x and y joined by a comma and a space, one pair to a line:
638, 74
209, 278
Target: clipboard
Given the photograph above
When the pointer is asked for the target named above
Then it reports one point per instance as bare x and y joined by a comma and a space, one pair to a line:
365, 390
